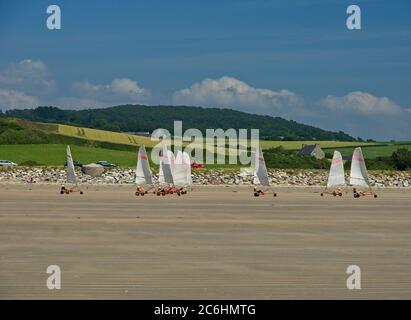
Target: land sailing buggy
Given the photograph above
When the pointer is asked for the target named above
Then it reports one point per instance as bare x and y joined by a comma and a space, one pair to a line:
359, 176
336, 179
71, 176
261, 180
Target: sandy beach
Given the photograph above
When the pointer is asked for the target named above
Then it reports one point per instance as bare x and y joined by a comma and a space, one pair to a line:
214, 243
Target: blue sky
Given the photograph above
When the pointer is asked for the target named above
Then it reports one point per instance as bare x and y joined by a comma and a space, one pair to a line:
294, 59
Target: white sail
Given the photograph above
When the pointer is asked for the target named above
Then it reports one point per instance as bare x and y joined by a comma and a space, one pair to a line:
166, 156
71, 173
358, 175
187, 162
260, 170
182, 169
171, 159
179, 170
160, 170
179, 157
143, 172
336, 176
180, 174
167, 162
167, 174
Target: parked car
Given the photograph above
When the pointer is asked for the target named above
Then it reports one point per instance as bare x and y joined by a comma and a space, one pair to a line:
76, 164
106, 164
7, 163
197, 165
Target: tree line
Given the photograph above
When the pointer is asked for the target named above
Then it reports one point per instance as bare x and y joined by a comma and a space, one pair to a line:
140, 118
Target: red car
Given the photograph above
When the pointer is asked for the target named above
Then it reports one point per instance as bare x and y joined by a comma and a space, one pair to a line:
196, 166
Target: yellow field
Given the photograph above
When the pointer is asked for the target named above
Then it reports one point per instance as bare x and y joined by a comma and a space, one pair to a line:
123, 138
106, 136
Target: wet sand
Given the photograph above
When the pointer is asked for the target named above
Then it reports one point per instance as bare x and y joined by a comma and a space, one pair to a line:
214, 243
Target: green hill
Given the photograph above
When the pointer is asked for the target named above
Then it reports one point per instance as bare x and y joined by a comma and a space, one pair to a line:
22, 132
28, 142
139, 118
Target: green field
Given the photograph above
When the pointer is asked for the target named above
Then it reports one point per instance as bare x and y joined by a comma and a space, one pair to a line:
44, 144
55, 154
372, 152
296, 145
123, 139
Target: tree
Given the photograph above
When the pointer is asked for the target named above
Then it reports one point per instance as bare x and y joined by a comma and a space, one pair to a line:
135, 118
402, 158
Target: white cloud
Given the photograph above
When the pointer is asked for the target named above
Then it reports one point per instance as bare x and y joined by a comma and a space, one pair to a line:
13, 99
119, 91
361, 103
29, 76
29, 83
21, 83
129, 87
365, 115
229, 92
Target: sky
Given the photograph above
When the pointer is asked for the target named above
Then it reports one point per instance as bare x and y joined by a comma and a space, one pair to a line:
295, 59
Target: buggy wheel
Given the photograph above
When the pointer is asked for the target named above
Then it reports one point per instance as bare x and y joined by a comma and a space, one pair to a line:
136, 193
142, 194
81, 192
256, 194
375, 196
158, 193
340, 194
274, 194
322, 194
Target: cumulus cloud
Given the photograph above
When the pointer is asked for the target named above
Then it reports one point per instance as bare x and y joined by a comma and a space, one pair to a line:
30, 76
126, 86
363, 114
232, 93
29, 83
119, 91
13, 99
23, 83
362, 103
